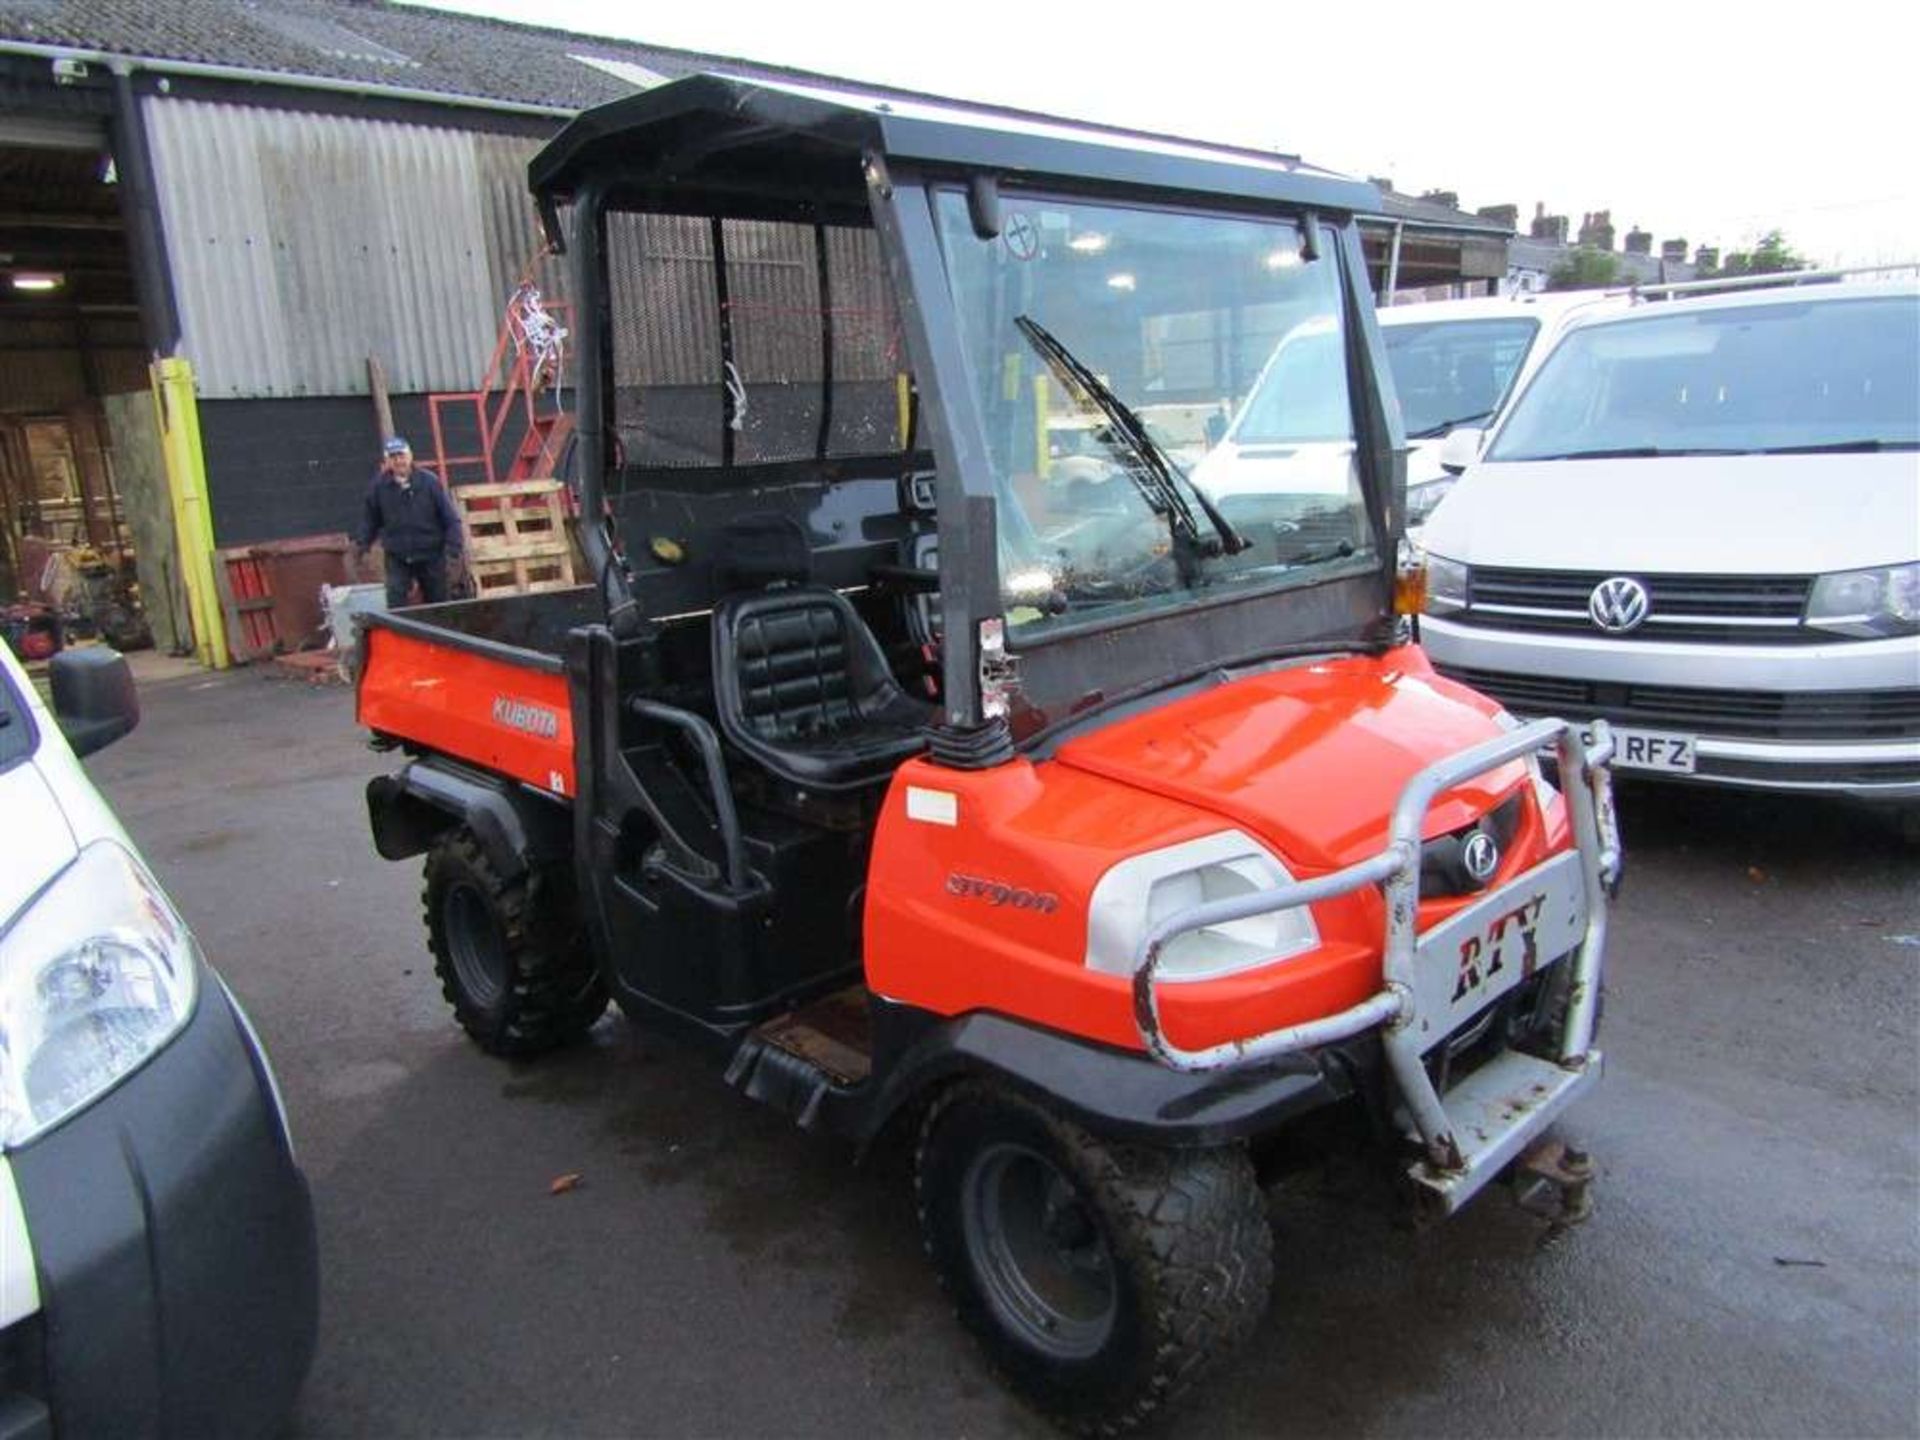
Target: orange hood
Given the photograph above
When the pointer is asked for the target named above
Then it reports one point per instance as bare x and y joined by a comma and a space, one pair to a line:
1311, 758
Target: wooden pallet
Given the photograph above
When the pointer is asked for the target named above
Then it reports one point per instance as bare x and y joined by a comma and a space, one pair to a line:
517, 537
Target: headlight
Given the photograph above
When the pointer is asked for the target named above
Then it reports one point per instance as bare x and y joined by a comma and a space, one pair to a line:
95, 976
1422, 499
1447, 582
1140, 892
1871, 604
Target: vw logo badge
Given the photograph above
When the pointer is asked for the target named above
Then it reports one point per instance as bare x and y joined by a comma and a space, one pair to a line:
1481, 856
1618, 605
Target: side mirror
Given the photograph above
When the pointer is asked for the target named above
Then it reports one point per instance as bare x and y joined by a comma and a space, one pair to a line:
1460, 449
93, 697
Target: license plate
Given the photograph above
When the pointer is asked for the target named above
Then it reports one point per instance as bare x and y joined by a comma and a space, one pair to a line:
1470, 960
1664, 750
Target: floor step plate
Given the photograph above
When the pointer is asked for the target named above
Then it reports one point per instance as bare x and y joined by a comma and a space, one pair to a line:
1496, 1112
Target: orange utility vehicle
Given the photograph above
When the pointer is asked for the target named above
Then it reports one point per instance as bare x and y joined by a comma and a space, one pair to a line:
1100, 831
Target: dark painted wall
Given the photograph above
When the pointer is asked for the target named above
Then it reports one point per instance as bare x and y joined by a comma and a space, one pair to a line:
281, 468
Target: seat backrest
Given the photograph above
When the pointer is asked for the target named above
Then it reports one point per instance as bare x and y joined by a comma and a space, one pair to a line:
791, 657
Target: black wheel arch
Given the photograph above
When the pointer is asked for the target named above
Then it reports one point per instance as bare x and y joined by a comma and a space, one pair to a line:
517, 826
1120, 1094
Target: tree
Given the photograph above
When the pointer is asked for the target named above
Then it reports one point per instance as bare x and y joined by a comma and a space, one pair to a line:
1585, 269
1771, 256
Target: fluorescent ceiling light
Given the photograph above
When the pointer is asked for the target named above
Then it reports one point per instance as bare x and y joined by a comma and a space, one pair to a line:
27, 280
1122, 281
1088, 244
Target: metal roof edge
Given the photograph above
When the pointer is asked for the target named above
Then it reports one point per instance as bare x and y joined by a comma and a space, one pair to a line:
123, 63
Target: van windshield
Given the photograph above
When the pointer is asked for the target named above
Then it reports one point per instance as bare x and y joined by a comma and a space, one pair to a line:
1768, 378
1175, 316
1454, 372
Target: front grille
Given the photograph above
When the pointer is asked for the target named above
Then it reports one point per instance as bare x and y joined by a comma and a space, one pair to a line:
1443, 870
1735, 609
1748, 714
1899, 772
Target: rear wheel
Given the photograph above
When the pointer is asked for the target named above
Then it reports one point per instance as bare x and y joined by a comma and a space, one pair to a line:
510, 955
1102, 1279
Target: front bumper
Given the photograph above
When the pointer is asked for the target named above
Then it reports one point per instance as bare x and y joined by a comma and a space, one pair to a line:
1436, 982
173, 1238
1867, 749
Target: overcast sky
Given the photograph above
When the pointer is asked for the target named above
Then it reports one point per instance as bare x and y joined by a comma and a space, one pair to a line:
1713, 122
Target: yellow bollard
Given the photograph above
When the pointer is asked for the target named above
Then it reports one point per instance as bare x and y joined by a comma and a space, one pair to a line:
178, 412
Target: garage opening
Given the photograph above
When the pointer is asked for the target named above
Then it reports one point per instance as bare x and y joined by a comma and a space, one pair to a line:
82, 496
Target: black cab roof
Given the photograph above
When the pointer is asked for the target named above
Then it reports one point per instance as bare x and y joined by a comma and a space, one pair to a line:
750, 143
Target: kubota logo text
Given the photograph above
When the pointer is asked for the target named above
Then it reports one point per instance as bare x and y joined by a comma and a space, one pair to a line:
519, 715
972, 887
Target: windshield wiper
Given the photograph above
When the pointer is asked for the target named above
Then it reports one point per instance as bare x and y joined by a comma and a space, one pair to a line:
1158, 476
1629, 452
1442, 427
1863, 445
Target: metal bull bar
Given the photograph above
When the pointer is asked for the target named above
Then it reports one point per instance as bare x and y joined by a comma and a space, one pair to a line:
1583, 777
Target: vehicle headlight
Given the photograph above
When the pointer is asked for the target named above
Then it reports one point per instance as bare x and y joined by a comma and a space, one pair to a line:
1422, 499
1447, 582
96, 975
1871, 604
1141, 891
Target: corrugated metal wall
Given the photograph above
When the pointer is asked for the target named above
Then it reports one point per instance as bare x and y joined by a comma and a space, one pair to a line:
300, 244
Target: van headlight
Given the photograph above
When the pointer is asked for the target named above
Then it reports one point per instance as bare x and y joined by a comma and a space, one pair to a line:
1874, 604
96, 975
1423, 500
1141, 891
1447, 582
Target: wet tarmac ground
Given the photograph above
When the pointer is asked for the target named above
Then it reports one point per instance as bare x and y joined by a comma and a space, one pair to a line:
1751, 1267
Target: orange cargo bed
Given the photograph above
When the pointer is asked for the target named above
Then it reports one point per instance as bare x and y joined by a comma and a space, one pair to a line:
452, 679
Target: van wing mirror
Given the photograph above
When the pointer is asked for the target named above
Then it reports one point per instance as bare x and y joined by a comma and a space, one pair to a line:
93, 697
1460, 449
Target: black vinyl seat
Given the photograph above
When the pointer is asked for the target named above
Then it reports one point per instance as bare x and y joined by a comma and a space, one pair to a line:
801, 685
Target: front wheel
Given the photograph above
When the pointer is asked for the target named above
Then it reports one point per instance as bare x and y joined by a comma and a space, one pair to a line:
1102, 1279
510, 956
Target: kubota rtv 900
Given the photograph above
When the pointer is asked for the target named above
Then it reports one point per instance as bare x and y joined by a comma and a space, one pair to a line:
934, 746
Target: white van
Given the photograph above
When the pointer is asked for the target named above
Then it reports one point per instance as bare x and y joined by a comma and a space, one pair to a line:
1455, 363
157, 1256
1700, 520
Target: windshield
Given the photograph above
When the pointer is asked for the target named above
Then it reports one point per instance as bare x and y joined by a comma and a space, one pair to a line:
1762, 378
1105, 488
1454, 372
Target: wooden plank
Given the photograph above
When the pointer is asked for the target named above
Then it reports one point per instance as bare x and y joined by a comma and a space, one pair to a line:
532, 550
500, 489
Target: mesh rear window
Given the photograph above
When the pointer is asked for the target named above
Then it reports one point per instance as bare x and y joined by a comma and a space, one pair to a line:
791, 351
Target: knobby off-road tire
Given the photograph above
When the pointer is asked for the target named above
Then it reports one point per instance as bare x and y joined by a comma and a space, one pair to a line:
1103, 1280
510, 955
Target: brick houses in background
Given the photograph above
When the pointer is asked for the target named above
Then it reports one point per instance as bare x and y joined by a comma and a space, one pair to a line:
1533, 257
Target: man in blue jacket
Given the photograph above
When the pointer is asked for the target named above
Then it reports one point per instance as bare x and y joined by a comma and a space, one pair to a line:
409, 512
